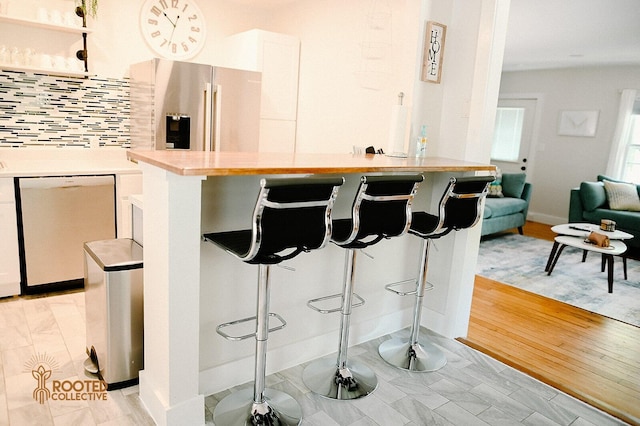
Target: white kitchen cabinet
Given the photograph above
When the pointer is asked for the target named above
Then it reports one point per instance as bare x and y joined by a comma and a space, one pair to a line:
9, 261
277, 57
126, 185
277, 135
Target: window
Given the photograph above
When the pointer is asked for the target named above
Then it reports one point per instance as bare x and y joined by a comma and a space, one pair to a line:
631, 164
507, 134
624, 157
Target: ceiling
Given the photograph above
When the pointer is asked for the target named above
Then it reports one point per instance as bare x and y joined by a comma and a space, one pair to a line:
546, 34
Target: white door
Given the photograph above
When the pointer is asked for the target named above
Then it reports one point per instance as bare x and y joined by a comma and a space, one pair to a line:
511, 149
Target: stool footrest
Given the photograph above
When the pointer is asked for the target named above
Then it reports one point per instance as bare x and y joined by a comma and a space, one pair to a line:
402, 291
360, 301
228, 336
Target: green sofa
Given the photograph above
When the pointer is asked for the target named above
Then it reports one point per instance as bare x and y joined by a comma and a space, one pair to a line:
508, 211
589, 204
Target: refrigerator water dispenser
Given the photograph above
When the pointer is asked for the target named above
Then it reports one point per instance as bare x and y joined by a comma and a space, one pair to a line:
178, 128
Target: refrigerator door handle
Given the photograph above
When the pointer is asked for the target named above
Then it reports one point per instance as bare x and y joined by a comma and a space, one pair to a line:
216, 117
208, 117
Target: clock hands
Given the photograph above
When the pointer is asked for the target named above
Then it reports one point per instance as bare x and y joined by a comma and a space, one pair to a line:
174, 28
169, 19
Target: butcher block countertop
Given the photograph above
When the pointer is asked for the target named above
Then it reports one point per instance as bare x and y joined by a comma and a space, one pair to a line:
198, 163
51, 161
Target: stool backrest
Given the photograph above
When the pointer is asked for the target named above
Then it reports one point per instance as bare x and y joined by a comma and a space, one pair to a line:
381, 209
292, 214
461, 201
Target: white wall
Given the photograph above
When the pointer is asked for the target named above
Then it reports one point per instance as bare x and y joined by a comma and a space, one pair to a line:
562, 162
115, 40
345, 96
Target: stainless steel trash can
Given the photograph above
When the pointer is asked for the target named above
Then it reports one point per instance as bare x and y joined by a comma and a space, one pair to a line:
114, 310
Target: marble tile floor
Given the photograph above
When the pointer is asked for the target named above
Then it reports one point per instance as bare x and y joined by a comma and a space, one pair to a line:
472, 389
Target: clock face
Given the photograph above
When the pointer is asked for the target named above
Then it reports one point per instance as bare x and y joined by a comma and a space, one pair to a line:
174, 29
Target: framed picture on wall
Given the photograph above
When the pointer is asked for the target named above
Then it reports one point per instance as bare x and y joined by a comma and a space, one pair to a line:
433, 54
578, 123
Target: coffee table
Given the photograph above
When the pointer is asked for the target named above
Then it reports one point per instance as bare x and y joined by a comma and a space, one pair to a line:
616, 248
583, 230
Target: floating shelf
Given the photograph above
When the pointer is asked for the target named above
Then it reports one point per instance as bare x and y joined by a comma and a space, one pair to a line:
48, 71
72, 29
39, 24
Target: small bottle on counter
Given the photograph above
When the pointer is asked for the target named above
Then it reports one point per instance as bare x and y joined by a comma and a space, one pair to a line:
421, 143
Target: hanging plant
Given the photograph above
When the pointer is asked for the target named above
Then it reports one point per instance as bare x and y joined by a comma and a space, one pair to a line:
88, 7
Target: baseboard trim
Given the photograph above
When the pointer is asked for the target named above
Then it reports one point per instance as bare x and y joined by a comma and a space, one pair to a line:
546, 219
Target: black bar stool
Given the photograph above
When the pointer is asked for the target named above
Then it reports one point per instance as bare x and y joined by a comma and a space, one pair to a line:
291, 216
381, 209
459, 209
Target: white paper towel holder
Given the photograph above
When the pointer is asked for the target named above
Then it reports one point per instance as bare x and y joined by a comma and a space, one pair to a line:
397, 130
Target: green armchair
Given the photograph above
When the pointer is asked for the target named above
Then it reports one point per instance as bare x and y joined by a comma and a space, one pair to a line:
508, 211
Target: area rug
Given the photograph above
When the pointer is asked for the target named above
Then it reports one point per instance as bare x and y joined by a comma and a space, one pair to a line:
520, 261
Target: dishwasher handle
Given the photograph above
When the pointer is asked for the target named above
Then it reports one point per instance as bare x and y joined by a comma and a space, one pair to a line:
65, 181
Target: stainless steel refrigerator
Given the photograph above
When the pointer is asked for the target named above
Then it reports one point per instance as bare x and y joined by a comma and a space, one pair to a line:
182, 105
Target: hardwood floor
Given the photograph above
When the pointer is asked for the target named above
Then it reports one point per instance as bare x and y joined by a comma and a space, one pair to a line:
591, 357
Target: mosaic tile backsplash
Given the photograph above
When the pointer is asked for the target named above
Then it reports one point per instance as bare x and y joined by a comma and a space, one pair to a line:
48, 110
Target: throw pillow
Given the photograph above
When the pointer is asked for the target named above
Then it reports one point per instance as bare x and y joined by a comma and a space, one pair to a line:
513, 184
592, 195
495, 188
622, 196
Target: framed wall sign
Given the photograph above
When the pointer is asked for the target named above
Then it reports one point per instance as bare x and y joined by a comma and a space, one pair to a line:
578, 123
433, 54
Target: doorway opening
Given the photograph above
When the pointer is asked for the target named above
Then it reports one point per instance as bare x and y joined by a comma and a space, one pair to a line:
512, 144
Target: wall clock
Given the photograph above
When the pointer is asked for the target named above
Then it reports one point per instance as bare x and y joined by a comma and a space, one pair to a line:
174, 29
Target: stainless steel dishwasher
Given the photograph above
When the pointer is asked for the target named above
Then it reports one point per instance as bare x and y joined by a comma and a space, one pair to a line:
56, 216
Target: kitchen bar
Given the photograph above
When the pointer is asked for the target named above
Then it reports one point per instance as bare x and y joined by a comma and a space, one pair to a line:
189, 288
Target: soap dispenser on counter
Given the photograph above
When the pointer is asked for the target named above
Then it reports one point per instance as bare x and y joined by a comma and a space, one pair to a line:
421, 143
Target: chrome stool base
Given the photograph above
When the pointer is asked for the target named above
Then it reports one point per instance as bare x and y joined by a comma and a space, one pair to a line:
419, 357
239, 409
326, 379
